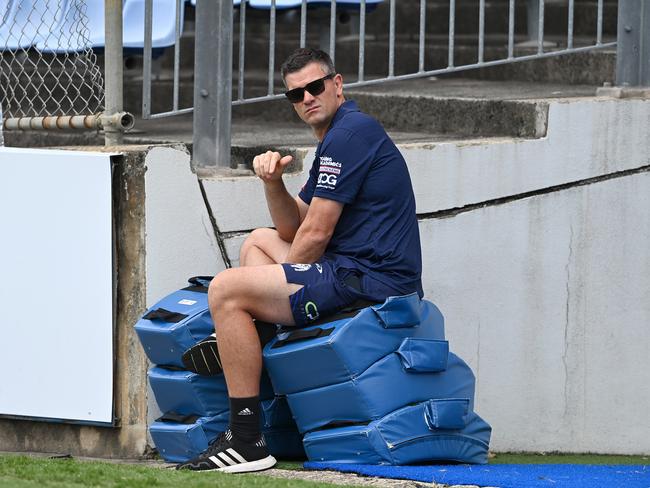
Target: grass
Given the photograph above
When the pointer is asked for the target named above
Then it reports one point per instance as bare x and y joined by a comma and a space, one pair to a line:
30, 472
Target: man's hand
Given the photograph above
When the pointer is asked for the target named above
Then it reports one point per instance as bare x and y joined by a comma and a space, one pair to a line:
270, 165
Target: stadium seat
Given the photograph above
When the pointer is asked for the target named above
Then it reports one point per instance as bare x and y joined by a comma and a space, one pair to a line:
287, 4
25, 22
163, 27
70, 38
5, 7
236, 3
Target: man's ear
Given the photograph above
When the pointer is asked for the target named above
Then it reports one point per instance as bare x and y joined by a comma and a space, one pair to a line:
338, 81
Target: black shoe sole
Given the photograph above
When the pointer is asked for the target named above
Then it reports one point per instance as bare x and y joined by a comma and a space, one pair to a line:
203, 358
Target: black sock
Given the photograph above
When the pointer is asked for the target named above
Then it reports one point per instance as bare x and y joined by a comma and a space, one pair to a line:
245, 418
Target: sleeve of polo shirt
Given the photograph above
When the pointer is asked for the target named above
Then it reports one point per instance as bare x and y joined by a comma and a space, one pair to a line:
344, 163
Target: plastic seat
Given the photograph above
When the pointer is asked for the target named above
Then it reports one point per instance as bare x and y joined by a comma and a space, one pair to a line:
70, 38
163, 25
236, 3
5, 8
28, 22
287, 4
279, 4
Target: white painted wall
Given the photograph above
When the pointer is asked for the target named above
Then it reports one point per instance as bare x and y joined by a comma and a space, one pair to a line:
180, 241
547, 297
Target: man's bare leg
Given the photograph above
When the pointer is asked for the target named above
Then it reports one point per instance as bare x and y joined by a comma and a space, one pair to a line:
235, 297
263, 246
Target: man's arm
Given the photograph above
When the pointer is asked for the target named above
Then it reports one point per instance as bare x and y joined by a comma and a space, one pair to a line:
316, 230
286, 212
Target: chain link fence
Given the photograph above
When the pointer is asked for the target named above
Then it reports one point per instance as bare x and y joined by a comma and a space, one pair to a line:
47, 63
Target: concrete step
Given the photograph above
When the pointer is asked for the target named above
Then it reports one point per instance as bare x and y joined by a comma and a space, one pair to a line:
586, 68
444, 109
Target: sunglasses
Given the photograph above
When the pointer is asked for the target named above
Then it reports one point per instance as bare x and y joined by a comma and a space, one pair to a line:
314, 88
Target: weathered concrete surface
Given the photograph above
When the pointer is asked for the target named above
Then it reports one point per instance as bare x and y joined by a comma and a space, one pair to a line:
422, 109
546, 297
347, 479
240, 199
180, 237
533, 249
535, 252
128, 438
587, 137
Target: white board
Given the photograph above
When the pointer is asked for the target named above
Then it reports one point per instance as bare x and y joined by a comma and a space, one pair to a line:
56, 305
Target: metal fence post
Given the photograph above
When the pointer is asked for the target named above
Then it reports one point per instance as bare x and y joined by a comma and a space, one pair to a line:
633, 46
212, 84
113, 69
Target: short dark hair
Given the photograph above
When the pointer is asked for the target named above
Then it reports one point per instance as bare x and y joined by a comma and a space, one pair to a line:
300, 58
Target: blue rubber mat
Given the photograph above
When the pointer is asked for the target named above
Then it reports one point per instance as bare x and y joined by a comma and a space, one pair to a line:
507, 475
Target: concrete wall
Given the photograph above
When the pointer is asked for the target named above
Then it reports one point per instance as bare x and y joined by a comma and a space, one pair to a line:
546, 298
535, 251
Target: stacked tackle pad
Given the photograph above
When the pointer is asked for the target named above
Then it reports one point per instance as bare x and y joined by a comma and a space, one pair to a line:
196, 408
381, 387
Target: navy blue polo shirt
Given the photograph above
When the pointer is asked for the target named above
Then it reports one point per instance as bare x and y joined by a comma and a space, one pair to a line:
358, 165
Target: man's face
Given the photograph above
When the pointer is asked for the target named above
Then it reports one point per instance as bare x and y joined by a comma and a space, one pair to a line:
316, 110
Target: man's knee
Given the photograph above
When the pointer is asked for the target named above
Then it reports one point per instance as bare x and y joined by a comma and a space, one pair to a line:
259, 237
218, 291
265, 240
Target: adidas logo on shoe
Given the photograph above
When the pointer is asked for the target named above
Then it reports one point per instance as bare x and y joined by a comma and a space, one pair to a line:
246, 411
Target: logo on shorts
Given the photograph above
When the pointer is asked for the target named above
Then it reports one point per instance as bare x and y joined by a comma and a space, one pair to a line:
301, 267
311, 310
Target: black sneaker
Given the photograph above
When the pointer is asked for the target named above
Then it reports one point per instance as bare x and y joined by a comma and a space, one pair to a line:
231, 456
203, 357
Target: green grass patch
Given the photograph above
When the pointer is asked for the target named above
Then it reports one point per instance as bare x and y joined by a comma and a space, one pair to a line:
558, 458
31, 472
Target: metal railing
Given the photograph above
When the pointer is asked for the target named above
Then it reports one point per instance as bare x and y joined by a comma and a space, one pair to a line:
213, 83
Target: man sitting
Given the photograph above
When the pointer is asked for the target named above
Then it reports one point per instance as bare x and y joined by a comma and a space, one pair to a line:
351, 234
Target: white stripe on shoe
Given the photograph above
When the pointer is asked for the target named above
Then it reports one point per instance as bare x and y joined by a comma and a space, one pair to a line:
259, 465
230, 461
236, 455
217, 461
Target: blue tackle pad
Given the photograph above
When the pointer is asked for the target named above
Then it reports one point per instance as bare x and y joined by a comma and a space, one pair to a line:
435, 430
338, 351
187, 393
280, 431
176, 323
387, 385
180, 438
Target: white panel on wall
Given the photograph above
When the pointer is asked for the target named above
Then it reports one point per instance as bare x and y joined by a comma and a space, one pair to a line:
56, 305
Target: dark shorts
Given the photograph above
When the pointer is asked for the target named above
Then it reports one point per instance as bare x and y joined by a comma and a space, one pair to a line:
324, 293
